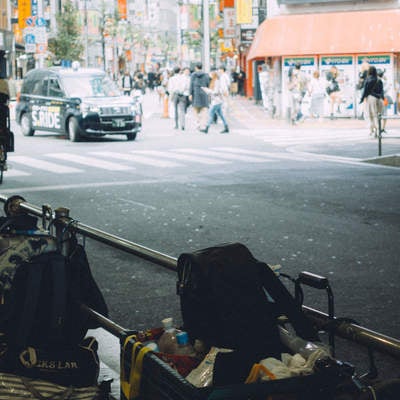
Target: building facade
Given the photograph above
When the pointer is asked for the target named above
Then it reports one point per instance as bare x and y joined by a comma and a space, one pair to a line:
320, 35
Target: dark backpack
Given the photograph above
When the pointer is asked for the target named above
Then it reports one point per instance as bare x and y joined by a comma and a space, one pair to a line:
230, 299
41, 292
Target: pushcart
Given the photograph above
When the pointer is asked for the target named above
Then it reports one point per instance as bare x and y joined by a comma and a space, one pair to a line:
146, 376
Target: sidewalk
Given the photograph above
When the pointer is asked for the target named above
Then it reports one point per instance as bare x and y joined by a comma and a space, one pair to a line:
247, 114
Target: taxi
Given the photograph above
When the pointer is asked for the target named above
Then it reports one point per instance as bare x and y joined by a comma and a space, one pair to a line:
77, 102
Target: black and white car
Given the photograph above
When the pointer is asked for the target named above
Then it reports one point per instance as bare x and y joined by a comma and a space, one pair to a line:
79, 102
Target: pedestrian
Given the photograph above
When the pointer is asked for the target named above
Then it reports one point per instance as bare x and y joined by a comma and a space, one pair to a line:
216, 91
138, 82
372, 97
387, 100
127, 83
234, 83
297, 88
226, 85
316, 90
183, 85
4, 114
293, 95
198, 97
241, 81
173, 91
333, 90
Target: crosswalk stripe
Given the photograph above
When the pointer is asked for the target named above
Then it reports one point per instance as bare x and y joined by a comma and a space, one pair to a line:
266, 154
216, 153
13, 173
185, 157
311, 139
90, 161
155, 162
44, 165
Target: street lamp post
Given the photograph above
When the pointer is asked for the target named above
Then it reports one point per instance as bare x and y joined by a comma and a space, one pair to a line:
206, 36
86, 34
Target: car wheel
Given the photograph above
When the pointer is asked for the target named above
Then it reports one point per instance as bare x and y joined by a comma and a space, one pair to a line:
74, 132
26, 125
131, 136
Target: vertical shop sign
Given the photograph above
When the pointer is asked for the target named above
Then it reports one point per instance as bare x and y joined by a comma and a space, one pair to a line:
244, 11
34, 8
122, 9
24, 11
229, 22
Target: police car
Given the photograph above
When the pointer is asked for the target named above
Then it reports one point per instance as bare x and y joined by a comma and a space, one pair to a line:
79, 102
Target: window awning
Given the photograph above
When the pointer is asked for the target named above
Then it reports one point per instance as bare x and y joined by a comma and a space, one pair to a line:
354, 32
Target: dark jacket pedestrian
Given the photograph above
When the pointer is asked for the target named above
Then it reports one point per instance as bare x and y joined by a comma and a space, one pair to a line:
372, 97
198, 96
198, 80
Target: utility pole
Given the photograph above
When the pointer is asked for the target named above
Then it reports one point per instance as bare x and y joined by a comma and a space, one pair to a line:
86, 34
206, 36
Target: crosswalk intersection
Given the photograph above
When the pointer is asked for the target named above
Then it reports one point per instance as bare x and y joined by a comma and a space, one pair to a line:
62, 163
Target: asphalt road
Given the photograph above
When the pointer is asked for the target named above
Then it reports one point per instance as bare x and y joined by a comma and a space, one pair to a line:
301, 197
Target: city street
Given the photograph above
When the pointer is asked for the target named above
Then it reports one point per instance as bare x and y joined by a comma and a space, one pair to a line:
300, 196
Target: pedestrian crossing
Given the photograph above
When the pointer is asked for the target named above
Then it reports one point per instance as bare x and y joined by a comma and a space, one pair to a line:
66, 163
298, 136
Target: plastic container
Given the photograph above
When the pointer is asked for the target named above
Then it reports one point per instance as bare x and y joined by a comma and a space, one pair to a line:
303, 347
167, 342
184, 347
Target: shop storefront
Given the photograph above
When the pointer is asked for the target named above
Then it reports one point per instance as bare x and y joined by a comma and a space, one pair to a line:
343, 40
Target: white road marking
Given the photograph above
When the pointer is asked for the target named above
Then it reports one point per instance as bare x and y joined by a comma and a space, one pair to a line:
44, 165
155, 162
284, 156
90, 161
216, 153
201, 160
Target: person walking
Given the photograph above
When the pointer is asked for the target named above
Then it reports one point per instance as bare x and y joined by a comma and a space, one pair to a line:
127, 83
333, 90
386, 100
316, 90
216, 90
173, 91
226, 85
183, 88
294, 95
199, 97
372, 96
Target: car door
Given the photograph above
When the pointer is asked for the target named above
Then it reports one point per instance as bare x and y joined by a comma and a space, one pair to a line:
53, 106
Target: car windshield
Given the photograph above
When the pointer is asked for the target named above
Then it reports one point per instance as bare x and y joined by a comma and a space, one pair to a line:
90, 86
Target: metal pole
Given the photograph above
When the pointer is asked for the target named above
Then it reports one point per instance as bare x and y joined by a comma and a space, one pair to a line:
347, 330
206, 36
86, 35
356, 333
379, 134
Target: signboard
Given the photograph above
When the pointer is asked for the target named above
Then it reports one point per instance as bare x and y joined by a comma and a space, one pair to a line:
308, 65
229, 22
24, 11
122, 9
247, 35
384, 63
345, 65
244, 10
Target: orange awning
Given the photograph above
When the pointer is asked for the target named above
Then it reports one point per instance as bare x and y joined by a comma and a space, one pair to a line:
330, 33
